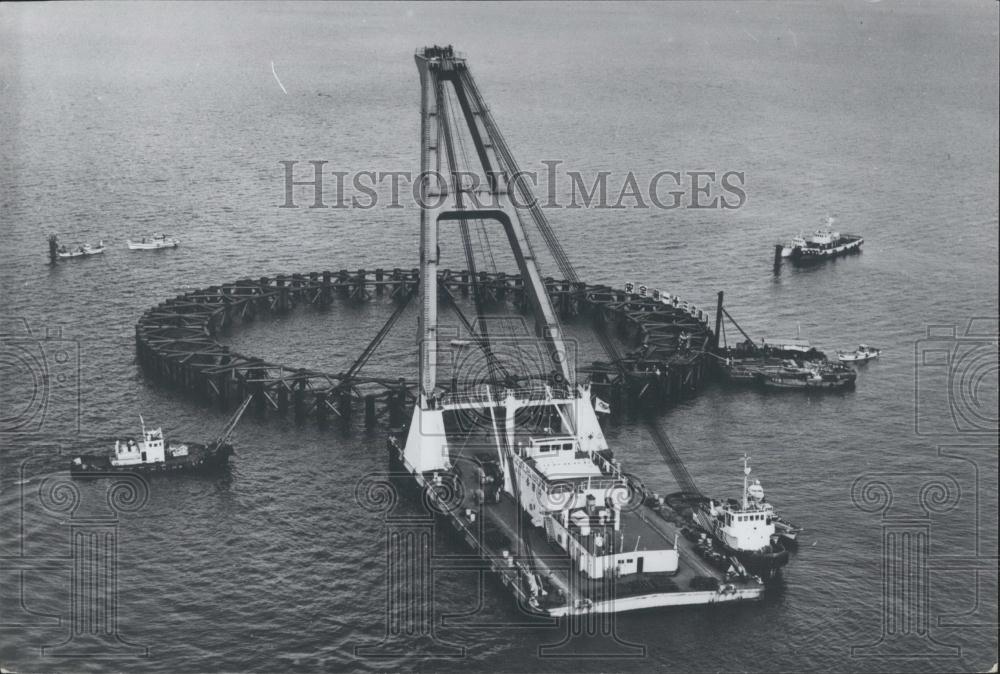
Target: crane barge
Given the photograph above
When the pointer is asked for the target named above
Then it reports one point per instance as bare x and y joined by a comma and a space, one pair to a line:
532, 485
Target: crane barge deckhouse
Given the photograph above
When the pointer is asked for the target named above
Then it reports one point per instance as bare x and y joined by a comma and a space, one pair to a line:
533, 485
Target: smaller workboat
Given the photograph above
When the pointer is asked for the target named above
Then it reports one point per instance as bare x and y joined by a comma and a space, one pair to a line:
860, 355
783, 364
785, 530
776, 373
83, 250
822, 244
153, 453
798, 349
154, 242
809, 376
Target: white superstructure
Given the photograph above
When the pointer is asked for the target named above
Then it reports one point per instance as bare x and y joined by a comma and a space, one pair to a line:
746, 525
151, 449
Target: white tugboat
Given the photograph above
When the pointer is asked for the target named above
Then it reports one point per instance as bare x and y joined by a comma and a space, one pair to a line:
155, 242
823, 244
860, 355
153, 453
748, 529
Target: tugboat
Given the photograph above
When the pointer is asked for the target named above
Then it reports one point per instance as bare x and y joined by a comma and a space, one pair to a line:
823, 244
155, 242
84, 250
155, 454
862, 354
748, 529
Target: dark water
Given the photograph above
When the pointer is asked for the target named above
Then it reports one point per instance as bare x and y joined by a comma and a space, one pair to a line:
120, 120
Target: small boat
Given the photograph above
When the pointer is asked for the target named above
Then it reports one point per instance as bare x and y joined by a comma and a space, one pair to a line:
860, 355
155, 454
83, 250
154, 242
785, 530
748, 529
796, 349
823, 244
810, 376
784, 364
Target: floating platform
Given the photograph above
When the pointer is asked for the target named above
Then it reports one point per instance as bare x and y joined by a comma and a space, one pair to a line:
176, 342
772, 373
782, 365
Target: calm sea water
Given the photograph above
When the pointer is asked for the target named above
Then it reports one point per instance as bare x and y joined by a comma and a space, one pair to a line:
121, 120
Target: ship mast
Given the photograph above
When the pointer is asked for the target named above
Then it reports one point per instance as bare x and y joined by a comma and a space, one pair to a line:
746, 475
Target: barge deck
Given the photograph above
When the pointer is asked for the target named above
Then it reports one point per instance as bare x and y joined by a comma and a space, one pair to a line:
545, 579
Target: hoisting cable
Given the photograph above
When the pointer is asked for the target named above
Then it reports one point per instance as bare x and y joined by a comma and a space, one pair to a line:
375, 342
666, 448
480, 342
445, 106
